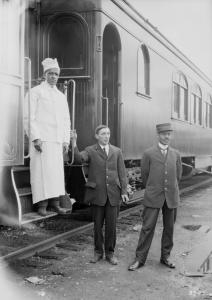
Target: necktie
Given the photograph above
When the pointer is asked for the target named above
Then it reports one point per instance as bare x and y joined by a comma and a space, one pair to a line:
164, 152
104, 150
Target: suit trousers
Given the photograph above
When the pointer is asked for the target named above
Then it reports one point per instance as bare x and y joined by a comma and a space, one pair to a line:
150, 216
105, 214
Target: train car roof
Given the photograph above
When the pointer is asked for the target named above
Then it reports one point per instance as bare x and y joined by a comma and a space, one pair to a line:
136, 16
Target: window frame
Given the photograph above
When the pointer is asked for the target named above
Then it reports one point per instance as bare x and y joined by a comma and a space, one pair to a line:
197, 117
180, 92
71, 71
143, 68
208, 112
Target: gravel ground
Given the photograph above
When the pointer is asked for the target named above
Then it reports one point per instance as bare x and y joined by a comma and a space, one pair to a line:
13, 238
65, 272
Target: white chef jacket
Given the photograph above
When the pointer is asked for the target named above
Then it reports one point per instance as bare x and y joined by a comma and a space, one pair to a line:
50, 120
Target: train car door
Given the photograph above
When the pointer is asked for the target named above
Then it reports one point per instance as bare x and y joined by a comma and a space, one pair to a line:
111, 82
67, 40
11, 82
12, 16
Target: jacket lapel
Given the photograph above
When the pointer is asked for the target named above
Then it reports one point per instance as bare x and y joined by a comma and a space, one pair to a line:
100, 151
169, 152
111, 150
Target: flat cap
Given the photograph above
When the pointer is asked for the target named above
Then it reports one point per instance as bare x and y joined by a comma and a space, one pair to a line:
164, 127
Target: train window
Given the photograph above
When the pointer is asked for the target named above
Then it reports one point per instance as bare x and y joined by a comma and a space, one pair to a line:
68, 33
143, 69
208, 112
180, 97
196, 105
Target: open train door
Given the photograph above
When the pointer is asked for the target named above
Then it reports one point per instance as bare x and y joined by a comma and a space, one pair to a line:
12, 20
66, 39
111, 82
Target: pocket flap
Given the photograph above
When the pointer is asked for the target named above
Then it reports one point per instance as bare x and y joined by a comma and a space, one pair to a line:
90, 184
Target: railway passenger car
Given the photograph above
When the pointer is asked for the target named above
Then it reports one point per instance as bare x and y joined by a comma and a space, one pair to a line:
126, 74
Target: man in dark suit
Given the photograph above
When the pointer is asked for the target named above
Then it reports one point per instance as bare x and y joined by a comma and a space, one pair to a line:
105, 188
161, 170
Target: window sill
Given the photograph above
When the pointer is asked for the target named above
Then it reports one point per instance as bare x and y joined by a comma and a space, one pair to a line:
180, 120
197, 125
188, 122
145, 96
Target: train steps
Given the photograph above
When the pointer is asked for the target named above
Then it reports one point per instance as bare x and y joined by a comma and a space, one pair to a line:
20, 176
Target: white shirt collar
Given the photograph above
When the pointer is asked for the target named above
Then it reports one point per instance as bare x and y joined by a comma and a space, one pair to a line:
163, 147
106, 148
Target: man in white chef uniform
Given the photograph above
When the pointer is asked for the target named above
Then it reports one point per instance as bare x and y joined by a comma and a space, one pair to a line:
50, 137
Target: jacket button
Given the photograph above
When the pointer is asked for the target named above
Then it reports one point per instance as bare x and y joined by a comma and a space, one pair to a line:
165, 189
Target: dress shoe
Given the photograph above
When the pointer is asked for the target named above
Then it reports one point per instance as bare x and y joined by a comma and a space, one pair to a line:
112, 260
167, 263
135, 265
42, 211
96, 258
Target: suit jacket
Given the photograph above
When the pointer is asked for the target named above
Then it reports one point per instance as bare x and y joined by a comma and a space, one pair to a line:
106, 174
161, 176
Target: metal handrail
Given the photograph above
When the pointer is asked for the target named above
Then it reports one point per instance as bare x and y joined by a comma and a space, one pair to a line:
107, 105
66, 84
201, 170
29, 103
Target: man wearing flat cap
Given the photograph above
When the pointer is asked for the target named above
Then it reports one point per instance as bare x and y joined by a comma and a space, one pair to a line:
161, 170
50, 137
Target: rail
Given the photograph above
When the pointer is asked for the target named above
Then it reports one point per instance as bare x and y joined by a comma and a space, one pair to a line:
197, 169
107, 111
66, 85
28, 104
48, 243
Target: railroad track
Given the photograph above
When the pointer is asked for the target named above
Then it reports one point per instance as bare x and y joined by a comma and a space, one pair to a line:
31, 250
